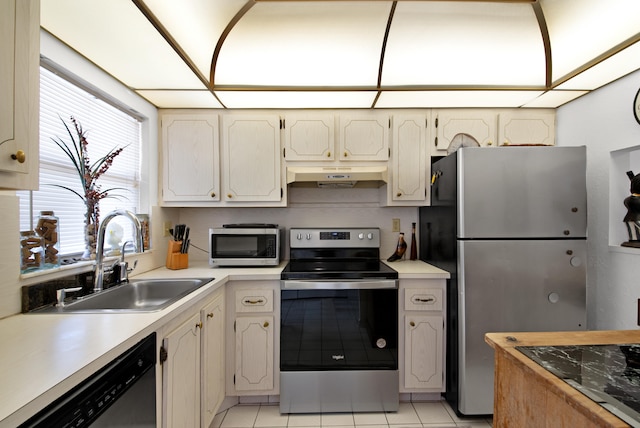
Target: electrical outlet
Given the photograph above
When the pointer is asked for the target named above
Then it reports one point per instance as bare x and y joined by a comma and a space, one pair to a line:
165, 228
395, 225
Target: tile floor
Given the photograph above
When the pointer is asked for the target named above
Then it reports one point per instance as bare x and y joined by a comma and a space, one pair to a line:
410, 415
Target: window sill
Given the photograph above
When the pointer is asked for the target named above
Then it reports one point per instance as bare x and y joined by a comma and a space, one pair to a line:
625, 250
83, 266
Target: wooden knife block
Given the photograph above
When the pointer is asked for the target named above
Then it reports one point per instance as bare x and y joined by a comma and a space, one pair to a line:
176, 259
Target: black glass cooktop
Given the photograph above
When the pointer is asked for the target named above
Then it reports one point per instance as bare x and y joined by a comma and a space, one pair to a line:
337, 269
607, 374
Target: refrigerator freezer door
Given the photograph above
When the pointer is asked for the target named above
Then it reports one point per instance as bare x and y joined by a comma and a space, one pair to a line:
523, 192
513, 286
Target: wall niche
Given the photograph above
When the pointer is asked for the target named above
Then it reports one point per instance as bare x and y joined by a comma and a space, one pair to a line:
621, 161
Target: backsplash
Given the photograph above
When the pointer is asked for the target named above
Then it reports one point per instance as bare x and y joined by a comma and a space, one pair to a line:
301, 215
44, 294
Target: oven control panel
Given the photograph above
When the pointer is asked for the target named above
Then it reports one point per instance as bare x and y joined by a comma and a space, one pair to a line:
334, 237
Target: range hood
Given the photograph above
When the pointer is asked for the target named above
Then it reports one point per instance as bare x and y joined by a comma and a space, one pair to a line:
337, 177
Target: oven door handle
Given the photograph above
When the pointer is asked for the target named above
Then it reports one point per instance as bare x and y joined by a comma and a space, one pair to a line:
359, 284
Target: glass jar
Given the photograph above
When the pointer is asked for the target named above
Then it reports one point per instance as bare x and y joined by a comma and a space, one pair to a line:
47, 228
31, 251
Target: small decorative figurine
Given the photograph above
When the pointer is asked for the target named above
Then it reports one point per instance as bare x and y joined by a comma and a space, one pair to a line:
401, 248
632, 219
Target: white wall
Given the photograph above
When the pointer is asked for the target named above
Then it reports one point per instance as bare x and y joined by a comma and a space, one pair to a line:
603, 121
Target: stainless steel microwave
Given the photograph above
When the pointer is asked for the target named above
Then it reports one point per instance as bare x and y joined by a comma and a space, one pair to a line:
245, 245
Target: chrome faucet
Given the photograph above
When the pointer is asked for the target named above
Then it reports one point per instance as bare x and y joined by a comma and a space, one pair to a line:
99, 270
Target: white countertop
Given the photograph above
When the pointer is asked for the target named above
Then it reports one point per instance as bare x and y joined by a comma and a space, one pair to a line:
45, 355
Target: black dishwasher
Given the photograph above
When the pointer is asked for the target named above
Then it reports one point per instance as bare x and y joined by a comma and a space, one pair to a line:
123, 393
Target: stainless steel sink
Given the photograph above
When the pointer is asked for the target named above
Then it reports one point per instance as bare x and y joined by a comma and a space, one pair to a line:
144, 295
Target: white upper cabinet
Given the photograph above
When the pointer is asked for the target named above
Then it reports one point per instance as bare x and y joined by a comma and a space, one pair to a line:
19, 93
408, 160
480, 124
190, 157
251, 159
364, 137
527, 127
309, 137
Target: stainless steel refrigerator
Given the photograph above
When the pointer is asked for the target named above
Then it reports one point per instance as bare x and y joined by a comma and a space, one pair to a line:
509, 223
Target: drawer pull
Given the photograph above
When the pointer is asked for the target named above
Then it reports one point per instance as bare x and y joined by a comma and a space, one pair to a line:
254, 302
412, 324
199, 325
427, 300
266, 324
210, 315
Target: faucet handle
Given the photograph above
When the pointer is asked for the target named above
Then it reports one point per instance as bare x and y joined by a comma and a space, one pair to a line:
61, 294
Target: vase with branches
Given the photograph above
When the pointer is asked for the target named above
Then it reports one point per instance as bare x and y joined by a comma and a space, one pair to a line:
89, 173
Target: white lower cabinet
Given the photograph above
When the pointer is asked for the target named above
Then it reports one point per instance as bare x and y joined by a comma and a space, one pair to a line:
422, 335
254, 353
252, 357
193, 371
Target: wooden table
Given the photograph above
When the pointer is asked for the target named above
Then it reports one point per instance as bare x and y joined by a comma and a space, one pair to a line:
527, 395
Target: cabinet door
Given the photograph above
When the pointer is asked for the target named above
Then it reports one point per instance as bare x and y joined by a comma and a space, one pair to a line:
309, 137
19, 94
254, 353
480, 124
423, 351
409, 159
181, 375
213, 350
364, 137
190, 157
527, 127
251, 158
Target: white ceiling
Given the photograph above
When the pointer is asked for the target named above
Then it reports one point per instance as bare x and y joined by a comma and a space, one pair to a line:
353, 54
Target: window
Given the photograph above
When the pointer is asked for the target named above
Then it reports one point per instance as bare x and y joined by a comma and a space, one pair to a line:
106, 127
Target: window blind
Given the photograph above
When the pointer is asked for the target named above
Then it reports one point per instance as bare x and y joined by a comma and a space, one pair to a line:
106, 127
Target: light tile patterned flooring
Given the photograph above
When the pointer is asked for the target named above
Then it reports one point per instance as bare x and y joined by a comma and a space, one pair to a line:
410, 415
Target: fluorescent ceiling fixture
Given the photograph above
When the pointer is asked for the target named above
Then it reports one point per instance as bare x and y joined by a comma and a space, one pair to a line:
180, 99
118, 38
302, 99
479, 44
553, 99
612, 68
196, 25
581, 30
441, 99
320, 44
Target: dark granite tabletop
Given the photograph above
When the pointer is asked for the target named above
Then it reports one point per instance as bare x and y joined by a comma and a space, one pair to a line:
607, 374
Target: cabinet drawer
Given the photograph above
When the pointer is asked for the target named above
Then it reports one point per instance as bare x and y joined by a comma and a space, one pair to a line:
254, 300
423, 299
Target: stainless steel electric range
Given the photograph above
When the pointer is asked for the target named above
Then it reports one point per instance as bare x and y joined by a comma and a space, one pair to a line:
339, 324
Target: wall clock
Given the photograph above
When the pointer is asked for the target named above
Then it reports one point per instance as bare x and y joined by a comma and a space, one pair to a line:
636, 106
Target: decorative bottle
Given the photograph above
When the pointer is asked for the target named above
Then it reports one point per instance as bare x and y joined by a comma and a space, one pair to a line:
31, 251
401, 248
414, 244
47, 228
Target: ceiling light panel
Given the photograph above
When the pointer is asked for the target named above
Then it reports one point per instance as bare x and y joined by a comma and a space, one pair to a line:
196, 25
319, 44
180, 99
614, 67
297, 99
582, 30
553, 99
464, 44
453, 99
119, 39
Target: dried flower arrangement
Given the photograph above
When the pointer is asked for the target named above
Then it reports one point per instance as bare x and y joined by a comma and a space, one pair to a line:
89, 173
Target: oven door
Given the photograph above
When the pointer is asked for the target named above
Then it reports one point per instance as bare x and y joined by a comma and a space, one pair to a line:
339, 325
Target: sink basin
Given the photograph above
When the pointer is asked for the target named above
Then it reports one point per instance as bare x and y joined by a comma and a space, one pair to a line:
144, 295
